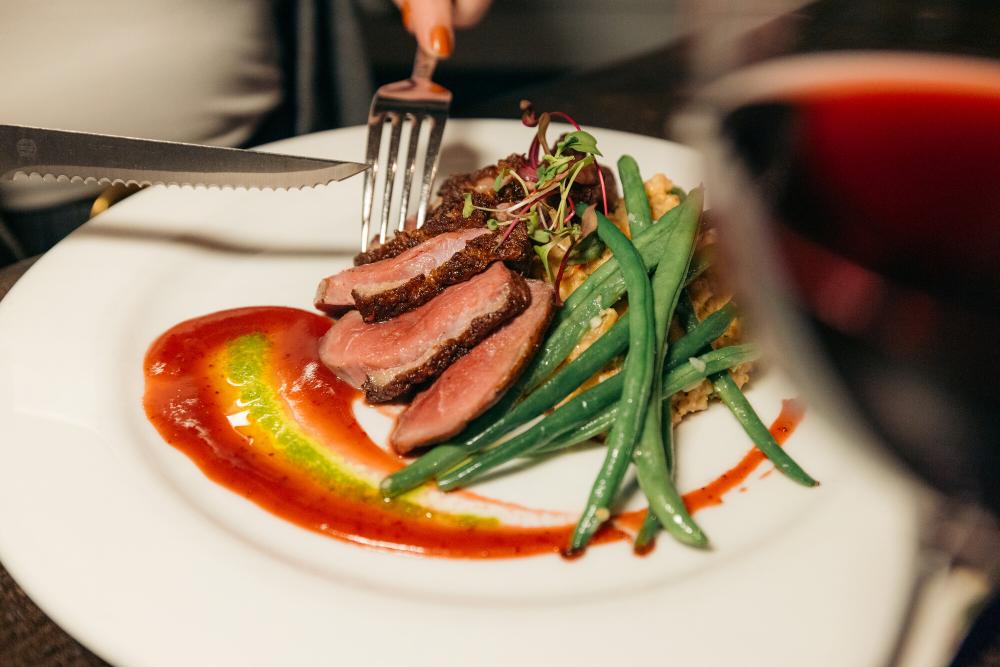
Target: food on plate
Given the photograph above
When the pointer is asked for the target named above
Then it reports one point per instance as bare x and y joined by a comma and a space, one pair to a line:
392, 286
533, 312
476, 381
388, 359
243, 394
578, 386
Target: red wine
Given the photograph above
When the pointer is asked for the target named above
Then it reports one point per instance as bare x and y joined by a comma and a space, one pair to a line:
883, 183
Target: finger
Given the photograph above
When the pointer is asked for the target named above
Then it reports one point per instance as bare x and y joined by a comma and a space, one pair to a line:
469, 12
430, 22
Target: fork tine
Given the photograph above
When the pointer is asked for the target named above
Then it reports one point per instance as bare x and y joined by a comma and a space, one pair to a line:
416, 101
375, 124
390, 173
411, 159
430, 166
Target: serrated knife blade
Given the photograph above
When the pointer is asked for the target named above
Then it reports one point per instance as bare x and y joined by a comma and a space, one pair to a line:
83, 157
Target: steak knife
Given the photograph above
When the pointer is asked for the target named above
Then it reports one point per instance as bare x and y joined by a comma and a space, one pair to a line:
83, 157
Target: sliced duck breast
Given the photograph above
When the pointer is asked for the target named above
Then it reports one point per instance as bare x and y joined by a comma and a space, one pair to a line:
477, 380
334, 292
400, 242
388, 359
384, 289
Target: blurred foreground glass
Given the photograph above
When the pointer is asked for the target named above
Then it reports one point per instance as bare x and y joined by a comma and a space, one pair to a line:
853, 156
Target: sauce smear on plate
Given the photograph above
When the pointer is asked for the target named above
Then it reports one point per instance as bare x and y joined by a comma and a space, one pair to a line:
243, 394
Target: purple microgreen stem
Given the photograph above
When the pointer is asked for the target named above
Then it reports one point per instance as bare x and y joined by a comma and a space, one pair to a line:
566, 117
565, 187
533, 153
604, 191
507, 232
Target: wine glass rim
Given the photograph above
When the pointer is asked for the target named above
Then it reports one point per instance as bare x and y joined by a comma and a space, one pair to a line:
815, 72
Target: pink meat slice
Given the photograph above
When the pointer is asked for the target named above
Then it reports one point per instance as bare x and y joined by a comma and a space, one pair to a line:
334, 294
476, 381
388, 359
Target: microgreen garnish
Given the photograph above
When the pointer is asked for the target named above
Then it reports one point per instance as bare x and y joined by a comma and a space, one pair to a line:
559, 236
581, 141
541, 236
543, 254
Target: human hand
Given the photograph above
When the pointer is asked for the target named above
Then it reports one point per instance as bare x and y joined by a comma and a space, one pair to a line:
433, 22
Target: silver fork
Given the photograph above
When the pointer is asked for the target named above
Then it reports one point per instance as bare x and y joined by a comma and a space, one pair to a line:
415, 100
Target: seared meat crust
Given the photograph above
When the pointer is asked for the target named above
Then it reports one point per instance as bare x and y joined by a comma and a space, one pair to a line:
478, 254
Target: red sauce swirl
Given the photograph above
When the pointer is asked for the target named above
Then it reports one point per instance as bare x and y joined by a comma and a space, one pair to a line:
190, 398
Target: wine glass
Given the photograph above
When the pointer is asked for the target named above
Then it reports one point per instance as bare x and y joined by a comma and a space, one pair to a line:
853, 154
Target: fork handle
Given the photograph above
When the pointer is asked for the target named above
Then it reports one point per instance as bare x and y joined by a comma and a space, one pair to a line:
423, 66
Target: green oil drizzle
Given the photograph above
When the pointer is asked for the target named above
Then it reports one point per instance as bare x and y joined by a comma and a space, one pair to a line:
246, 369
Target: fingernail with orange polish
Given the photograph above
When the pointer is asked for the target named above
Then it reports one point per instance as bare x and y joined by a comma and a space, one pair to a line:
441, 41
405, 11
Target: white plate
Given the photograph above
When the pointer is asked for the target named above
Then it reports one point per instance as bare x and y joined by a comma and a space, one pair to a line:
125, 543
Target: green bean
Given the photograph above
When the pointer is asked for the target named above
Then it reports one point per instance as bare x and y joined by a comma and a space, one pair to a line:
524, 443
674, 380
693, 343
649, 244
442, 457
687, 375
594, 411
508, 416
687, 346
590, 428
650, 526
613, 343
601, 290
637, 382
703, 258
730, 394
636, 202
650, 459
734, 399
